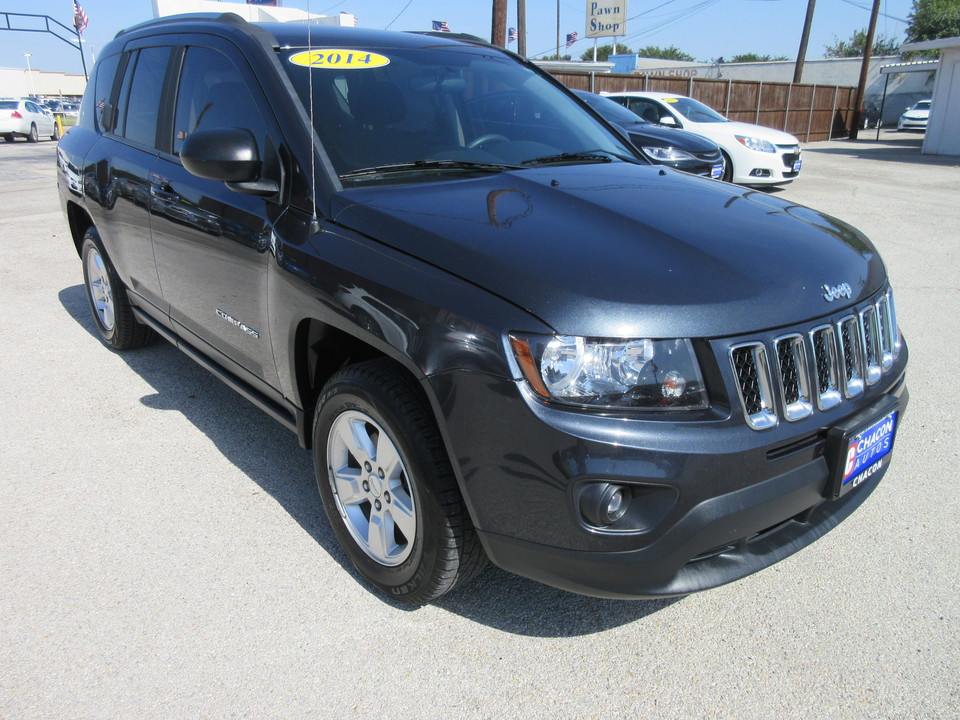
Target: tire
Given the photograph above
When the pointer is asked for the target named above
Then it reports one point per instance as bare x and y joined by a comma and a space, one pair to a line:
56, 132
727, 168
33, 137
426, 544
8, 137
109, 305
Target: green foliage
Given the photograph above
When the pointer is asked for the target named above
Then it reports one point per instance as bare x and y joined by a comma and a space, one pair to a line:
669, 53
604, 52
753, 57
932, 20
855, 46
556, 57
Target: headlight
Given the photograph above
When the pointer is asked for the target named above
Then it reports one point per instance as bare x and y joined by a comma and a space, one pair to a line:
668, 154
643, 374
752, 143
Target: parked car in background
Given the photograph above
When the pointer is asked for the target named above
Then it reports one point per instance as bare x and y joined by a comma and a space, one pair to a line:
915, 117
661, 145
26, 119
754, 155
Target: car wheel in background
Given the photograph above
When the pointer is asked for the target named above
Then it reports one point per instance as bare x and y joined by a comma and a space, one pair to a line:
112, 314
33, 136
727, 167
387, 485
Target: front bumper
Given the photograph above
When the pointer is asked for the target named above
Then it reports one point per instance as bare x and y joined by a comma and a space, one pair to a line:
716, 499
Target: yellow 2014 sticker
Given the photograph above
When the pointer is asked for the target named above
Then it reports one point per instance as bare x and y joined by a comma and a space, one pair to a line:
339, 59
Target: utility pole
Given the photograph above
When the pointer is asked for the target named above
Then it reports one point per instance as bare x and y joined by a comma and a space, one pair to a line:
804, 37
864, 68
522, 27
558, 29
498, 31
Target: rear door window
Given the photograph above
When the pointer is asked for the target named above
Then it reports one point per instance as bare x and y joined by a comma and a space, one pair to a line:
141, 95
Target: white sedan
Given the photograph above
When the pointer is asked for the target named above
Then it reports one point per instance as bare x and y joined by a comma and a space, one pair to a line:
916, 116
755, 155
26, 118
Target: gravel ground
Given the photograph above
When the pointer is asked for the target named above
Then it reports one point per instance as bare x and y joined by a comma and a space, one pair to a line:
164, 553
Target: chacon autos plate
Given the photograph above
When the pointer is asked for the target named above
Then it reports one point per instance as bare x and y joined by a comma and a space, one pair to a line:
857, 453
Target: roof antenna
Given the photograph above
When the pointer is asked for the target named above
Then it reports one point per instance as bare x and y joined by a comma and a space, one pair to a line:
314, 222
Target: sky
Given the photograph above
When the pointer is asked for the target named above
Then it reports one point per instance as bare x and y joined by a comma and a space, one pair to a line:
706, 29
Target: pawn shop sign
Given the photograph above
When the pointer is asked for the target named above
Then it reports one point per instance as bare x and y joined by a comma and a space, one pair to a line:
606, 18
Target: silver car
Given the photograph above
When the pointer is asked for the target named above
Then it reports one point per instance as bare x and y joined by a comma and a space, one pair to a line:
26, 118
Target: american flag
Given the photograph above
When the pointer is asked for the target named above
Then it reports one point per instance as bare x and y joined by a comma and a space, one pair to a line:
572, 38
80, 19
355, 18
441, 25
512, 35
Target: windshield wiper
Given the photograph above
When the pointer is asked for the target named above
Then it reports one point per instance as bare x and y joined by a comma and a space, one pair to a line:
588, 156
429, 165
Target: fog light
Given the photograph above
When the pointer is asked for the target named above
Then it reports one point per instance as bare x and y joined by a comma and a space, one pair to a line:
602, 504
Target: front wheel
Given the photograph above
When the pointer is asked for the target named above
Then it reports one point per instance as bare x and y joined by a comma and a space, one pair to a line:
727, 167
112, 314
387, 485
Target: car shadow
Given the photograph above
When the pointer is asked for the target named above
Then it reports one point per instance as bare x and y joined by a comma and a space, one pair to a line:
270, 456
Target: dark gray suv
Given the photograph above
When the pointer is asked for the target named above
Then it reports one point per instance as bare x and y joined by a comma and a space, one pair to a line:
500, 331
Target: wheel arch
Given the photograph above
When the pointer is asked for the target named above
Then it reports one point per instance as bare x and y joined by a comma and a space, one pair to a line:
79, 221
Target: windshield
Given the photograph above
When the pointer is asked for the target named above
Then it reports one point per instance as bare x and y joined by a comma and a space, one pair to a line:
694, 111
922, 105
8, 104
403, 111
609, 110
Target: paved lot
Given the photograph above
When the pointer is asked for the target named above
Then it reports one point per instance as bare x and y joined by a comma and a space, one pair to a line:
164, 553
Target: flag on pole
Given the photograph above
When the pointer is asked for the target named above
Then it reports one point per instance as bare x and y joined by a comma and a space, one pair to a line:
351, 15
80, 19
572, 38
441, 25
512, 35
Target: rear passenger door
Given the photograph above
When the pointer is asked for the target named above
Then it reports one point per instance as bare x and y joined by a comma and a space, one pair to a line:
213, 245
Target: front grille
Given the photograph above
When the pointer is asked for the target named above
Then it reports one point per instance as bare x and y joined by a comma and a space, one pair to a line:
709, 156
818, 368
791, 153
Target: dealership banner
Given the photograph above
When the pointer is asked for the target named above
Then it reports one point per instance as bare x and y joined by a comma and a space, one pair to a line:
606, 18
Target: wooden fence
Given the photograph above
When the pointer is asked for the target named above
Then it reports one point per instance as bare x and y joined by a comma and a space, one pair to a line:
809, 112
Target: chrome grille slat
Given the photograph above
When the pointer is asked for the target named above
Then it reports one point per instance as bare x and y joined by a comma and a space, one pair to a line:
818, 368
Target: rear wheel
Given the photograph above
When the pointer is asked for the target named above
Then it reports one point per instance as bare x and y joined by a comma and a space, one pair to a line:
33, 136
8, 137
387, 485
112, 314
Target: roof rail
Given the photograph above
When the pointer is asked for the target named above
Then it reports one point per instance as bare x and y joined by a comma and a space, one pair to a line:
227, 17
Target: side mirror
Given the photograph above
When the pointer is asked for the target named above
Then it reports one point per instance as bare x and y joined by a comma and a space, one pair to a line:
229, 155
669, 121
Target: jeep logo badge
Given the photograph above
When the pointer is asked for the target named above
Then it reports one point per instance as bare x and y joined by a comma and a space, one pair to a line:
832, 293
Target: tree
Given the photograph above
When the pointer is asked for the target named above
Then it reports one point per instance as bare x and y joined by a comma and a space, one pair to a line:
669, 53
855, 46
931, 20
753, 57
605, 51
556, 57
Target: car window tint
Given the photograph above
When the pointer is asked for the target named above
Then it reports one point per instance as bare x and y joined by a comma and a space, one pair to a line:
213, 94
32, 108
106, 71
143, 104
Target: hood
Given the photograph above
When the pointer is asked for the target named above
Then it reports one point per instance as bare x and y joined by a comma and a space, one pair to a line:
661, 136
622, 250
731, 128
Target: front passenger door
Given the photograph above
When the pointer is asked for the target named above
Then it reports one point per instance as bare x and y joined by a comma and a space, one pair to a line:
213, 245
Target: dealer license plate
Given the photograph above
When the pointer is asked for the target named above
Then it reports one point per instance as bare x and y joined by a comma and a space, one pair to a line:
716, 171
796, 165
862, 452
